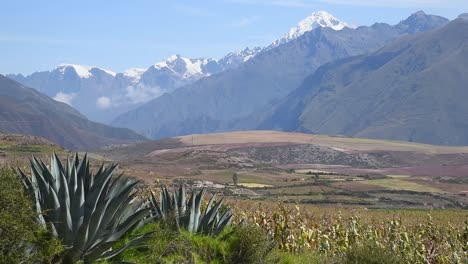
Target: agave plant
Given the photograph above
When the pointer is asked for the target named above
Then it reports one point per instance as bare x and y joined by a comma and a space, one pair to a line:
88, 213
189, 214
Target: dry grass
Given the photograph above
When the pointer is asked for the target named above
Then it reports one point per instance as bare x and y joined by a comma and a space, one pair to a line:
398, 184
253, 185
342, 143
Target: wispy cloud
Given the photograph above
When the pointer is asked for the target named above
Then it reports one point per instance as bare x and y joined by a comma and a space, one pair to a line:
245, 21
103, 102
282, 3
64, 97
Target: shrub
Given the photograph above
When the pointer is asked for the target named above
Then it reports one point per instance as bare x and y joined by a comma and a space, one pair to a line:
370, 253
22, 239
171, 246
251, 244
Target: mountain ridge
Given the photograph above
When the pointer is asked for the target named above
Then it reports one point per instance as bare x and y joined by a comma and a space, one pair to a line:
408, 90
24, 110
227, 101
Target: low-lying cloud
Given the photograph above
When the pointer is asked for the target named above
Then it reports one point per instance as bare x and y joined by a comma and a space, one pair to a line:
142, 93
64, 97
103, 102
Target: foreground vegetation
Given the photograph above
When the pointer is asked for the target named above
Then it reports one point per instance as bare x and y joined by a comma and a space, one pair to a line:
69, 214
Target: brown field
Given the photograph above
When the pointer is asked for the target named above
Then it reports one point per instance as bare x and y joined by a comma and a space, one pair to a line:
340, 143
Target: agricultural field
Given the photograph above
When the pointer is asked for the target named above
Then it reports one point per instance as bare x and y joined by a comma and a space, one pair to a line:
306, 169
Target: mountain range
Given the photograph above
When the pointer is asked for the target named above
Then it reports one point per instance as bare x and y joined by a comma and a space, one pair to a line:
24, 110
235, 99
115, 93
413, 89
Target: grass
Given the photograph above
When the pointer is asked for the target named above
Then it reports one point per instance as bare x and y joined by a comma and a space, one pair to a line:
395, 176
398, 184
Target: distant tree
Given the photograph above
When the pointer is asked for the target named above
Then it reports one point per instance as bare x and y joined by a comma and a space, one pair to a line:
235, 178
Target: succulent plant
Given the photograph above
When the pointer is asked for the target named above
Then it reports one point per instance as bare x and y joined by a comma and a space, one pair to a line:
189, 215
88, 213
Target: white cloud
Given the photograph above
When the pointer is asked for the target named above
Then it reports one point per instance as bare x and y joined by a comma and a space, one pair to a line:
142, 93
245, 21
64, 97
103, 102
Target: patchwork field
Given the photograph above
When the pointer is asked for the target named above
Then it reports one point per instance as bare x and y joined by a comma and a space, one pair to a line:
304, 168
290, 167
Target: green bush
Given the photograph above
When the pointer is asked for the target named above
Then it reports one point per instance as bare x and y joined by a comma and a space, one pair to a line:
250, 245
22, 239
370, 253
170, 246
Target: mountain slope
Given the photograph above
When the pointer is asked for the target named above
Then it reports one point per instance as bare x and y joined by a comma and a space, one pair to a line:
413, 89
25, 111
226, 101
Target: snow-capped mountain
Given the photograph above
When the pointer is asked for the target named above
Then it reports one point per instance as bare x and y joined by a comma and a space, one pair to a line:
233, 59
317, 19
81, 70
102, 94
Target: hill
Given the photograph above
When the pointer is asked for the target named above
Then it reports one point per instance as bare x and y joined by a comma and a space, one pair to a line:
25, 111
411, 90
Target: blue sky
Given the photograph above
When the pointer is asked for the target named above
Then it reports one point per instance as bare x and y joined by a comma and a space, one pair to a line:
116, 35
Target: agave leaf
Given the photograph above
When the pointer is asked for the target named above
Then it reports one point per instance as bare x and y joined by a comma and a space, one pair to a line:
181, 200
225, 220
198, 203
155, 205
209, 205
191, 218
136, 242
77, 206
65, 215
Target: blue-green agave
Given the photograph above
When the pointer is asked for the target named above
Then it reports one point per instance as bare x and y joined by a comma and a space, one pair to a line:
189, 214
88, 213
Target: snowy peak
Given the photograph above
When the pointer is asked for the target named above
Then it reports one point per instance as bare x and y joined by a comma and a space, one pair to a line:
316, 20
235, 58
185, 67
134, 74
81, 70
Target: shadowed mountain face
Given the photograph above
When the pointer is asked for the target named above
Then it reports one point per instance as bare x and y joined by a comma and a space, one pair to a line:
227, 101
25, 111
413, 89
